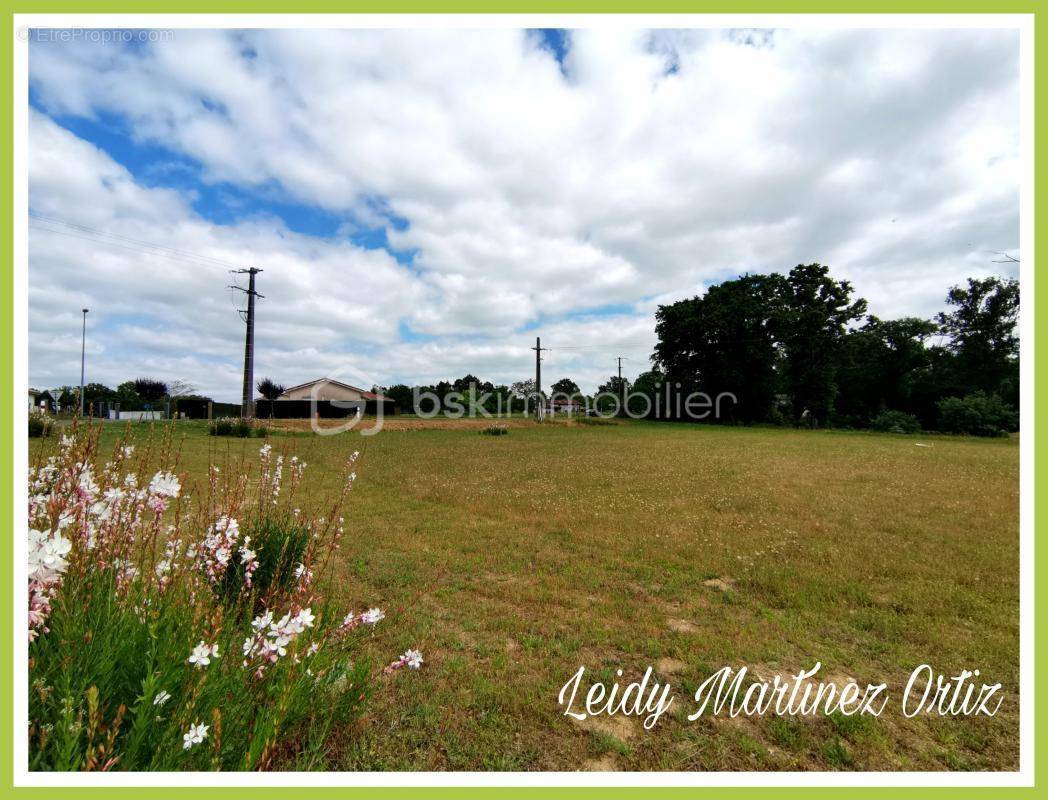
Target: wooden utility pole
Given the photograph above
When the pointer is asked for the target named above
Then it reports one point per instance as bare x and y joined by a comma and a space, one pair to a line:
538, 348
83, 350
622, 389
247, 404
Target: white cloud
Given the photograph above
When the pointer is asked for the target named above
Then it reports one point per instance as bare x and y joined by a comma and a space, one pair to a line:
530, 194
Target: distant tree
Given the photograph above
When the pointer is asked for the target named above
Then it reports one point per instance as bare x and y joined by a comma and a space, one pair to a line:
982, 332
811, 320
464, 383
269, 388
881, 367
523, 389
724, 341
180, 388
97, 393
565, 386
402, 395
614, 387
150, 389
646, 393
128, 397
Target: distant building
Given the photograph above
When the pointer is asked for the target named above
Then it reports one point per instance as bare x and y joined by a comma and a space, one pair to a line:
325, 397
329, 389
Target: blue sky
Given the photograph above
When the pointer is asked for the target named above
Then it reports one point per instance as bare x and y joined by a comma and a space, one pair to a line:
423, 203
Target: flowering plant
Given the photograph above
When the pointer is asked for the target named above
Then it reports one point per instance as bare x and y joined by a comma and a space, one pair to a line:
171, 633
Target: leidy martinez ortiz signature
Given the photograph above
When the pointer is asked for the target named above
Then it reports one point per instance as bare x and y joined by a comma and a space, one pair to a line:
733, 692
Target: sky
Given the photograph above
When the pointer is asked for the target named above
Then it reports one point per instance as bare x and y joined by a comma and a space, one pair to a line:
424, 203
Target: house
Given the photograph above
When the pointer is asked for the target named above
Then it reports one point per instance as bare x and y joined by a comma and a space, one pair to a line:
33, 398
564, 405
332, 399
329, 389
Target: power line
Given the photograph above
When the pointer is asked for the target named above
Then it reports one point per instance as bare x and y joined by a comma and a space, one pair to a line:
88, 233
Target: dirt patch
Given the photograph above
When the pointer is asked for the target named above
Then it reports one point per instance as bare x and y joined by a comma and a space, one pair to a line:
720, 584
602, 764
681, 625
669, 666
618, 725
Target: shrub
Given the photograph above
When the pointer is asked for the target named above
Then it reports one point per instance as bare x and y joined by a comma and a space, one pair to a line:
495, 430
135, 661
895, 422
978, 414
40, 424
236, 426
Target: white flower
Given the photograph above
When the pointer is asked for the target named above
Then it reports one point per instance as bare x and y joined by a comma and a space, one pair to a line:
165, 484
197, 734
265, 450
202, 654
412, 658
246, 555
161, 698
372, 616
128, 450
262, 621
306, 618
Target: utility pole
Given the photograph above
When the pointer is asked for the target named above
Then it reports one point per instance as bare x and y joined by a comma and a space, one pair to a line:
538, 348
83, 350
247, 404
622, 388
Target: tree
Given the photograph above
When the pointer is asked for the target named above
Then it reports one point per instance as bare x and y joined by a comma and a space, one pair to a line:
180, 388
881, 367
566, 387
810, 323
128, 397
646, 394
402, 395
724, 341
614, 387
269, 389
150, 389
982, 331
97, 393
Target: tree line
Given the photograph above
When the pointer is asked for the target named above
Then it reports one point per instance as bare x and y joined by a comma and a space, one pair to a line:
801, 349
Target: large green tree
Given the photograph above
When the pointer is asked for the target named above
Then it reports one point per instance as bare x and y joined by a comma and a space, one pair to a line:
811, 320
982, 334
724, 341
880, 366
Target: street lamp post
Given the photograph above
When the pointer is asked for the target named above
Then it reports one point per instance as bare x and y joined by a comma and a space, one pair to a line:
83, 350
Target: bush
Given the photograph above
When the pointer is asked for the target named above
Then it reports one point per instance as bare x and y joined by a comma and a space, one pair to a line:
895, 422
40, 424
978, 414
495, 430
135, 661
236, 426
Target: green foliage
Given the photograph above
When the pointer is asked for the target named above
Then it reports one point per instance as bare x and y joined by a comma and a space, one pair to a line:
982, 330
565, 386
40, 424
895, 422
280, 544
495, 430
150, 389
269, 389
977, 414
237, 427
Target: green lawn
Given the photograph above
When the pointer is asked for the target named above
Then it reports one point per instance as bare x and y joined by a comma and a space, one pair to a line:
510, 561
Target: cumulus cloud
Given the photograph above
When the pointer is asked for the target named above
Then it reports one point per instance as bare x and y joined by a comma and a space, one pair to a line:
565, 199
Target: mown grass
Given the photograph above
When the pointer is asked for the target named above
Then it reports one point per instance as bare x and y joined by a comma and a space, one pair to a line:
512, 560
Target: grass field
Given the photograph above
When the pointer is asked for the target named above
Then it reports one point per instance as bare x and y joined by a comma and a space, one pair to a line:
510, 561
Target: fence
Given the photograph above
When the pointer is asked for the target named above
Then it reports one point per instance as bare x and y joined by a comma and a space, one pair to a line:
327, 409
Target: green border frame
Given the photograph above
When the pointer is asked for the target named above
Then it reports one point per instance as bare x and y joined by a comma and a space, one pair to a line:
1039, 10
